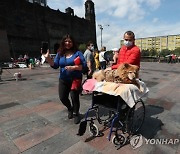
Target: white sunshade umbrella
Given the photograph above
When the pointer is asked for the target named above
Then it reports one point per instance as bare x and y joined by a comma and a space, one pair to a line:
167, 55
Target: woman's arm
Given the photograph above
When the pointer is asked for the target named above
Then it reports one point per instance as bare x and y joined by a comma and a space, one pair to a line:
73, 68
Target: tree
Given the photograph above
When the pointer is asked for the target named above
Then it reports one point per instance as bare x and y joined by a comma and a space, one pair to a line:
145, 52
82, 47
176, 51
152, 52
165, 52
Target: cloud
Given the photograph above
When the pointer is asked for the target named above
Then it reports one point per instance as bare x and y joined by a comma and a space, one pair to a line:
154, 4
113, 34
155, 20
133, 10
149, 30
57, 4
123, 15
79, 11
63, 4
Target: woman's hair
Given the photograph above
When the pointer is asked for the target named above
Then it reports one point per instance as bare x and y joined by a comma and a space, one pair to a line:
103, 48
62, 48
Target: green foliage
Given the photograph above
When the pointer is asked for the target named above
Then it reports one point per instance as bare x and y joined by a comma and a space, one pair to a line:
165, 52
152, 52
145, 53
176, 51
82, 47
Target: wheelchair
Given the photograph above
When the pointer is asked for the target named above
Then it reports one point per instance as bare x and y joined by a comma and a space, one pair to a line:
121, 120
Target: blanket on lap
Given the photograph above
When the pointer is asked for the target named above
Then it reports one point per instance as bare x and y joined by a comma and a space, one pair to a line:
128, 92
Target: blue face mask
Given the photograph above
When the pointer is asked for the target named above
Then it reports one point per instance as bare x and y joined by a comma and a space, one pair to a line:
128, 43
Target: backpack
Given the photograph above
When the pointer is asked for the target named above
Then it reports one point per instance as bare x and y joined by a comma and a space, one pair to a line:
106, 56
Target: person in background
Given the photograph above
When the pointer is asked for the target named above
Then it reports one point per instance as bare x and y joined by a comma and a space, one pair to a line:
26, 58
170, 59
115, 55
43, 59
31, 63
178, 59
173, 58
102, 60
71, 62
129, 52
89, 57
96, 58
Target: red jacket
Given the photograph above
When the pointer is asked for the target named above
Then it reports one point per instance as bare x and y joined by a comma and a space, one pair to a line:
129, 55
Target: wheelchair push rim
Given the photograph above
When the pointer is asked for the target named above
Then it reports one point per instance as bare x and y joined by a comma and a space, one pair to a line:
135, 117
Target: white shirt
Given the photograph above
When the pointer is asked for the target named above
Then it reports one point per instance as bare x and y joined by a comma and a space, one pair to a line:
101, 56
43, 59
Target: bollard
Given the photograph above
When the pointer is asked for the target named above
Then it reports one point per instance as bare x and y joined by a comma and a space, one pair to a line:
1, 71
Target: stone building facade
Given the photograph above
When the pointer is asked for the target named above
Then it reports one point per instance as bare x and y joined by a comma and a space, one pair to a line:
25, 25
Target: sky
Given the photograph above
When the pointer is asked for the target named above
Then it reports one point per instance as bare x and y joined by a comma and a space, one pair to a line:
146, 18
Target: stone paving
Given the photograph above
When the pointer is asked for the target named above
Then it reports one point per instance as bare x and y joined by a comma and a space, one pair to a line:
33, 121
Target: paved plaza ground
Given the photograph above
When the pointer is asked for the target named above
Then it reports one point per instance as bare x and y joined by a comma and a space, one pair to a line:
33, 121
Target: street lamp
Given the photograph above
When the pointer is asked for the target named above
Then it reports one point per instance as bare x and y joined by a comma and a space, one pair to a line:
101, 28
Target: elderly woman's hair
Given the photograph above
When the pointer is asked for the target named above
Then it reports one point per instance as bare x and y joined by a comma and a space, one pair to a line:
130, 33
62, 48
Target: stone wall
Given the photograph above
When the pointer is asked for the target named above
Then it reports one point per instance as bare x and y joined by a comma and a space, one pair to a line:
4, 47
28, 24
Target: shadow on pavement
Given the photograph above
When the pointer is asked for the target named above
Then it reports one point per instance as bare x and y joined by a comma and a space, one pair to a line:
12, 79
151, 124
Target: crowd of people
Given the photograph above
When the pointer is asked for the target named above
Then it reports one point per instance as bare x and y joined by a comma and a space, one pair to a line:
173, 58
29, 62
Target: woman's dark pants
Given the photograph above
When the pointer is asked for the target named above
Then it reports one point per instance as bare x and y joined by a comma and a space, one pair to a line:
64, 91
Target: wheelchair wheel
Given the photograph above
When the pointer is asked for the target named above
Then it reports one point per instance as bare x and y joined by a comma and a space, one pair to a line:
119, 139
135, 117
93, 129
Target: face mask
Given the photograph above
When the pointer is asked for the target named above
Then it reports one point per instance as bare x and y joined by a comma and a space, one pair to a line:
92, 48
128, 43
